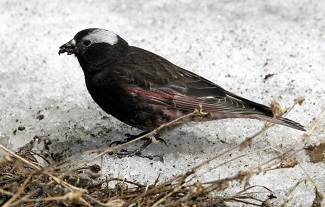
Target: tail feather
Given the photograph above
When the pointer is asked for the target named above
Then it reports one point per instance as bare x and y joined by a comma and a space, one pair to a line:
268, 114
288, 123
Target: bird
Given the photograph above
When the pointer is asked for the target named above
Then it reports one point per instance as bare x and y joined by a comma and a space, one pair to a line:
145, 90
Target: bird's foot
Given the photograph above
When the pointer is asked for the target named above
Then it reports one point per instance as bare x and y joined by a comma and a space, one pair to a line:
137, 152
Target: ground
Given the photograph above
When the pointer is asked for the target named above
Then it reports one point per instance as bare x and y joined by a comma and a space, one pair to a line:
264, 51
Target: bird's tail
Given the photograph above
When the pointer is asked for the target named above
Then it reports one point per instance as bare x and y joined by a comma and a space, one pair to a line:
266, 114
286, 122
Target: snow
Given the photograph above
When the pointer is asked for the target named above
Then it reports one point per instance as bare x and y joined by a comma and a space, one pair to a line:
232, 43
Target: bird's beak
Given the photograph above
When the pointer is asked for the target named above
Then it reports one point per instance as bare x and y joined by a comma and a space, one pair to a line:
69, 47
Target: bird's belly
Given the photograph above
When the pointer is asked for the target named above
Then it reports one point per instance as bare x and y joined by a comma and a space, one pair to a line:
136, 111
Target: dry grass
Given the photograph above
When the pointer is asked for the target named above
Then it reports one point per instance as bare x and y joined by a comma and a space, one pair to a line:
28, 179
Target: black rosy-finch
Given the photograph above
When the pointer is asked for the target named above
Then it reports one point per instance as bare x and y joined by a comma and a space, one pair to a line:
145, 90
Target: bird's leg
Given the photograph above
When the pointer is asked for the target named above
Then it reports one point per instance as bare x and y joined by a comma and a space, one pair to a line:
129, 137
137, 152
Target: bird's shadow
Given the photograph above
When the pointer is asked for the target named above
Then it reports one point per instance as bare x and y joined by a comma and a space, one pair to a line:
176, 142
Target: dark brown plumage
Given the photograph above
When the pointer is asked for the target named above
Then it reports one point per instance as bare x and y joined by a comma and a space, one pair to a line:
145, 90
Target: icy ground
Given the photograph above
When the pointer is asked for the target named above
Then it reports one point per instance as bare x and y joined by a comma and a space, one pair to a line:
235, 44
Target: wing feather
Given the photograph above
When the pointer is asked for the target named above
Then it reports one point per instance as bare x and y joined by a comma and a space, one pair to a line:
186, 90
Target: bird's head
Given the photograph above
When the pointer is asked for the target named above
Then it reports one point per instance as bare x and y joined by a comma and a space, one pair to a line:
95, 46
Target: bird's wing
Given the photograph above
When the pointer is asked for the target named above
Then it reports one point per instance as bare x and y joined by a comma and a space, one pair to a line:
186, 90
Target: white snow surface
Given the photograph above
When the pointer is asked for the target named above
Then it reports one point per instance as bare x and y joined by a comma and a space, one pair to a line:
232, 43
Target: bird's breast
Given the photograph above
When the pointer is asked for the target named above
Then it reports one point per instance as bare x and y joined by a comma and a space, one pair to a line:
140, 107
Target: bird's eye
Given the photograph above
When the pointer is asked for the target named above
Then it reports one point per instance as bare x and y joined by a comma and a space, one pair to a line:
87, 42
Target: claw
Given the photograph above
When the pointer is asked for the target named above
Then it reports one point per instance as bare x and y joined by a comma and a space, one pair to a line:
137, 152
